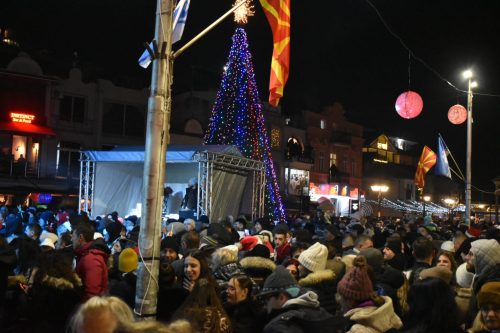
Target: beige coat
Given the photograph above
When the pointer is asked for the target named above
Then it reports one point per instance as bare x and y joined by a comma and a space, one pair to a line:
372, 319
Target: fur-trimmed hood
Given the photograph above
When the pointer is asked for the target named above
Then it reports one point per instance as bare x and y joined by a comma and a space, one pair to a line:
316, 278
257, 263
62, 283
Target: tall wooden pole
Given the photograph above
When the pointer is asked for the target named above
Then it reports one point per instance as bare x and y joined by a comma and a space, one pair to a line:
154, 164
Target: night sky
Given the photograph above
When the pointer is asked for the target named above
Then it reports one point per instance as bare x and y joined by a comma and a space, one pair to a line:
340, 51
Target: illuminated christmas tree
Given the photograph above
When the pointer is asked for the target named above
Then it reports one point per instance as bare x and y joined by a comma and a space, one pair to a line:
237, 119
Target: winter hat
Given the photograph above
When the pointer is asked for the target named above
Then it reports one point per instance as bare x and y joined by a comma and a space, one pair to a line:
393, 244
267, 233
45, 234
473, 232
233, 249
439, 272
219, 233
280, 281
464, 277
374, 258
486, 254
448, 246
48, 242
113, 229
356, 284
175, 228
260, 250
315, 257
190, 222
170, 243
489, 294
98, 235
249, 242
208, 241
128, 260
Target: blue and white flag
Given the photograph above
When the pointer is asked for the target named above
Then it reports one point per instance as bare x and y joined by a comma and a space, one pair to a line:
179, 21
442, 167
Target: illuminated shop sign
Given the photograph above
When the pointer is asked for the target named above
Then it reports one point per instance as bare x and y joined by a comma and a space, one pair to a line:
331, 190
22, 117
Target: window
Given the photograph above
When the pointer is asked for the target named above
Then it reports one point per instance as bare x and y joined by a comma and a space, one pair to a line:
123, 120
353, 167
67, 160
344, 165
333, 159
322, 124
72, 109
321, 161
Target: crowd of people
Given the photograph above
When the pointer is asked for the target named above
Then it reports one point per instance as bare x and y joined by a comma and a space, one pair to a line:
61, 271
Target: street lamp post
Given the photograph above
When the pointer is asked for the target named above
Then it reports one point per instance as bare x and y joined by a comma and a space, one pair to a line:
379, 189
468, 75
426, 199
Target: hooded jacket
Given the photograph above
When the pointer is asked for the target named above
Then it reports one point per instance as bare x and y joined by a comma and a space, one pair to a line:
373, 319
258, 268
300, 315
323, 283
91, 267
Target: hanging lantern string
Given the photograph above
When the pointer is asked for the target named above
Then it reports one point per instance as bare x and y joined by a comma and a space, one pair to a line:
420, 59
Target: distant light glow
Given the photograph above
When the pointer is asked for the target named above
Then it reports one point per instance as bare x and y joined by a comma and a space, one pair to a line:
473, 84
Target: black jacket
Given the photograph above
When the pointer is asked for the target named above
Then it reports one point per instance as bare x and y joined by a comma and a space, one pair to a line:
246, 317
324, 284
301, 315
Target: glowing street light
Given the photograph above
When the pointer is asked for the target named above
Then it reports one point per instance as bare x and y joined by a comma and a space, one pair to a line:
426, 198
468, 75
379, 189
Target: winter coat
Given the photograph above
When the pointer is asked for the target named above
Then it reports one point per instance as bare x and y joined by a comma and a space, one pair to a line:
246, 317
258, 268
387, 283
414, 273
398, 262
323, 283
170, 298
91, 267
125, 288
51, 303
373, 319
8, 261
283, 253
301, 315
463, 298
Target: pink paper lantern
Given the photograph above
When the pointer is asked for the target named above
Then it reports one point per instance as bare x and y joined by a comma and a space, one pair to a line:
409, 104
457, 114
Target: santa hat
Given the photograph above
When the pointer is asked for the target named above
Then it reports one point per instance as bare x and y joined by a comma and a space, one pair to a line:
473, 232
249, 242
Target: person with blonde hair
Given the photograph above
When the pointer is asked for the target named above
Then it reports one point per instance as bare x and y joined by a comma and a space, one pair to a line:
101, 314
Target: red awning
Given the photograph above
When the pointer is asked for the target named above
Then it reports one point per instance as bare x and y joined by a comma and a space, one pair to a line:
26, 128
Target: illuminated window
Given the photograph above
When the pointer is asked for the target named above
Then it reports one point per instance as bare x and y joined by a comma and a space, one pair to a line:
293, 147
72, 109
322, 124
67, 160
333, 159
275, 138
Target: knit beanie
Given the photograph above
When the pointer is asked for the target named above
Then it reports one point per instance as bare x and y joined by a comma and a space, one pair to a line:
280, 281
489, 294
393, 244
356, 284
127, 261
448, 246
374, 258
260, 250
315, 257
170, 243
464, 277
439, 272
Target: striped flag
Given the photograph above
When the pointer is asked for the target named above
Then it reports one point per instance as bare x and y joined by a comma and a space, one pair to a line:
278, 15
178, 24
427, 161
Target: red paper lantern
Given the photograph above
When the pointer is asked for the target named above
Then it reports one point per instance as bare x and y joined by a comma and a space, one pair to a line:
409, 104
457, 114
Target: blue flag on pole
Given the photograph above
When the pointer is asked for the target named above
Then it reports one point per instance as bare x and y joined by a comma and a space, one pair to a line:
442, 167
179, 21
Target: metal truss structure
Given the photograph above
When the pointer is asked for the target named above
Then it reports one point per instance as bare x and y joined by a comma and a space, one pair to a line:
87, 177
210, 161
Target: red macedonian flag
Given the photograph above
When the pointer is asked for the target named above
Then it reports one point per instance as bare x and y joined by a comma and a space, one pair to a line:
278, 15
427, 161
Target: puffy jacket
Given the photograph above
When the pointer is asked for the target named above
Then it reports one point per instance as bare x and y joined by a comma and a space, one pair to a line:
91, 267
324, 284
